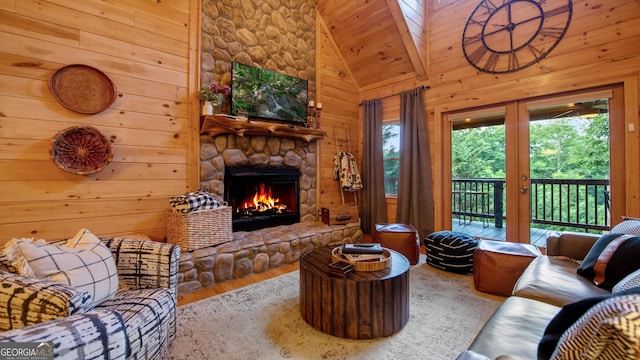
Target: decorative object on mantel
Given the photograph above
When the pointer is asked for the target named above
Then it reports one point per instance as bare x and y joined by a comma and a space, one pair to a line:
228, 124
313, 120
81, 150
82, 89
207, 108
213, 97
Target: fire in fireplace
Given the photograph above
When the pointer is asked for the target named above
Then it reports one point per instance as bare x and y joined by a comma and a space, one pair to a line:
262, 197
262, 203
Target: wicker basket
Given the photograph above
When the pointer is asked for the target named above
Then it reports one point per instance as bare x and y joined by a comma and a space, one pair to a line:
81, 150
336, 255
199, 229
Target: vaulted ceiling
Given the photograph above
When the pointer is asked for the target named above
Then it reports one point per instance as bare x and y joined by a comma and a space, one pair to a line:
381, 41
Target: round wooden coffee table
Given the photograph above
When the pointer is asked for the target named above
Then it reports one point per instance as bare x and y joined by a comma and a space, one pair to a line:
362, 305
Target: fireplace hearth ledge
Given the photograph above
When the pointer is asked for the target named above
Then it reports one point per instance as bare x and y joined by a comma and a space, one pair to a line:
253, 252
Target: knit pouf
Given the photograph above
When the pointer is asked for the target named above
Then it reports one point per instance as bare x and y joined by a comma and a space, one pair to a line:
450, 251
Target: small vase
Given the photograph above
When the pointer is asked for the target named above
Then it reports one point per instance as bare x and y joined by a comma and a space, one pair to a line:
217, 107
207, 108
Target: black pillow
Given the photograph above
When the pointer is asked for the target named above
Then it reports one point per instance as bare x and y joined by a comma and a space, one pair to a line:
624, 260
567, 316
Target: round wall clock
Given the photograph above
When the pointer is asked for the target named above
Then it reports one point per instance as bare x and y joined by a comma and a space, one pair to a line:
502, 36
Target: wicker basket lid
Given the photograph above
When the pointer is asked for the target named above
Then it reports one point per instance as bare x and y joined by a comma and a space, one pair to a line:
80, 150
82, 89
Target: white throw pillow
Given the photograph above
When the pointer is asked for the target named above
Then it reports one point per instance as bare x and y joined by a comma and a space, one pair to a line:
629, 226
628, 282
609, 330
83, 262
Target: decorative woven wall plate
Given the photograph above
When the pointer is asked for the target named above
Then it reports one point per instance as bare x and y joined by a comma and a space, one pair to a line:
82, 89
80, 150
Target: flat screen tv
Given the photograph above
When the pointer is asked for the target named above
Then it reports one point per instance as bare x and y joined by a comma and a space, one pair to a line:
268, 95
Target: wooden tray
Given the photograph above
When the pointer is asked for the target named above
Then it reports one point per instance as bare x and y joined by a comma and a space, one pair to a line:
336, 255
82, 89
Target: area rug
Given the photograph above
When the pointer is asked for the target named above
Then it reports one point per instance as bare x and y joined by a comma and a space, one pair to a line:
262, 321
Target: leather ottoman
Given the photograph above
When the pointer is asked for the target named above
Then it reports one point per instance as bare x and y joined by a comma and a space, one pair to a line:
402, 238
497, 265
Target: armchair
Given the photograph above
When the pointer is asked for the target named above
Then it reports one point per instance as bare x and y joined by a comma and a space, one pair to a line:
138, 322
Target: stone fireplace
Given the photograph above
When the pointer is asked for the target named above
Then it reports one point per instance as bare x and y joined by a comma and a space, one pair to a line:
262, 197
224, 155
256, 251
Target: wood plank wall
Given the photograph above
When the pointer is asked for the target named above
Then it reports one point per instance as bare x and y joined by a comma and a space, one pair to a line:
338, 93
145, 47
601, 46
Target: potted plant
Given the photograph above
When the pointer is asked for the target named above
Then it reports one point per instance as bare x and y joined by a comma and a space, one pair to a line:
213, 96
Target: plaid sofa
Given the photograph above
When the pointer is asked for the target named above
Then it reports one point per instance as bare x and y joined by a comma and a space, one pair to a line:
139, 322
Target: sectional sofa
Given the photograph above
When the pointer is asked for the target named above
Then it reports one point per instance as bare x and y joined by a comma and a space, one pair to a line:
555, 312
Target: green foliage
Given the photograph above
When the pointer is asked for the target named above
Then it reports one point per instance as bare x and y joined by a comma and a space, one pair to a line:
478, 153
570, 148
559, 149
391, 156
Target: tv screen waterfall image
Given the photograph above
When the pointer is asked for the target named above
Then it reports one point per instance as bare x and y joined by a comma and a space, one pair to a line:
268, 95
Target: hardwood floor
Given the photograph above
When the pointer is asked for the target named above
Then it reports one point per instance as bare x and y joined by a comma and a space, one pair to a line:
235, 284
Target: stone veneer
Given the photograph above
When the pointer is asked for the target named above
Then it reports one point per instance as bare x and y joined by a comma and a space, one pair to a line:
258, 251
278, 35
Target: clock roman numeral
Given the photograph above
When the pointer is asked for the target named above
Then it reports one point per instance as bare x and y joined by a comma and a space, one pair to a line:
552, 31
477, 54
489, 5
468, 40
478, 22
536, 53
491, 63
513, 61
557, 11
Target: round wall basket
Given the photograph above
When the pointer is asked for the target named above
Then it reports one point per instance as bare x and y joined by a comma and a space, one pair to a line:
82, 89
80, 150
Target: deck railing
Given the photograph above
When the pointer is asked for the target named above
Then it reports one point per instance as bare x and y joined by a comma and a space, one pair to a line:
565, 204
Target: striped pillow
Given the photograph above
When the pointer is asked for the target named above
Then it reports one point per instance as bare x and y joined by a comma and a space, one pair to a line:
610, 330
83, 262
629, 282
629, 226
25, 301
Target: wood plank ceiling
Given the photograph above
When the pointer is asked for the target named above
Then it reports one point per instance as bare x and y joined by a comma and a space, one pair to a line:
375, 39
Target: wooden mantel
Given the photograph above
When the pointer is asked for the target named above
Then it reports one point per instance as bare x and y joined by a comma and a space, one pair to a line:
227, 124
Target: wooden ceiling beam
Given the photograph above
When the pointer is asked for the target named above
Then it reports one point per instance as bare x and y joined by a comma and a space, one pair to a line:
407, 39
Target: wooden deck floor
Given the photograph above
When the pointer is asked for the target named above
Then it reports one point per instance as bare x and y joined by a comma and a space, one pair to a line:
475, 228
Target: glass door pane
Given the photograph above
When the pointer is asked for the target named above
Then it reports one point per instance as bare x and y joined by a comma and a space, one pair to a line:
478, 165
569, 167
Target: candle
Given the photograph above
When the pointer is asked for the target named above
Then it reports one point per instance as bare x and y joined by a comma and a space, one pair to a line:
319, 106
311, 103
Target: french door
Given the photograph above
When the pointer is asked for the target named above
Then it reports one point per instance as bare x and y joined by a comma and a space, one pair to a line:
520, 172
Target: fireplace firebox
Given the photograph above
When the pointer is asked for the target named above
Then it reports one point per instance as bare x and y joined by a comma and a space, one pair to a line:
262, 197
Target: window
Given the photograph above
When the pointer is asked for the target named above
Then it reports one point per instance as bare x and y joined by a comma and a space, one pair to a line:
391, 157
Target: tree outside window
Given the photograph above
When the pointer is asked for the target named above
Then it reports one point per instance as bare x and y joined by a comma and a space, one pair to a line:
391, 157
